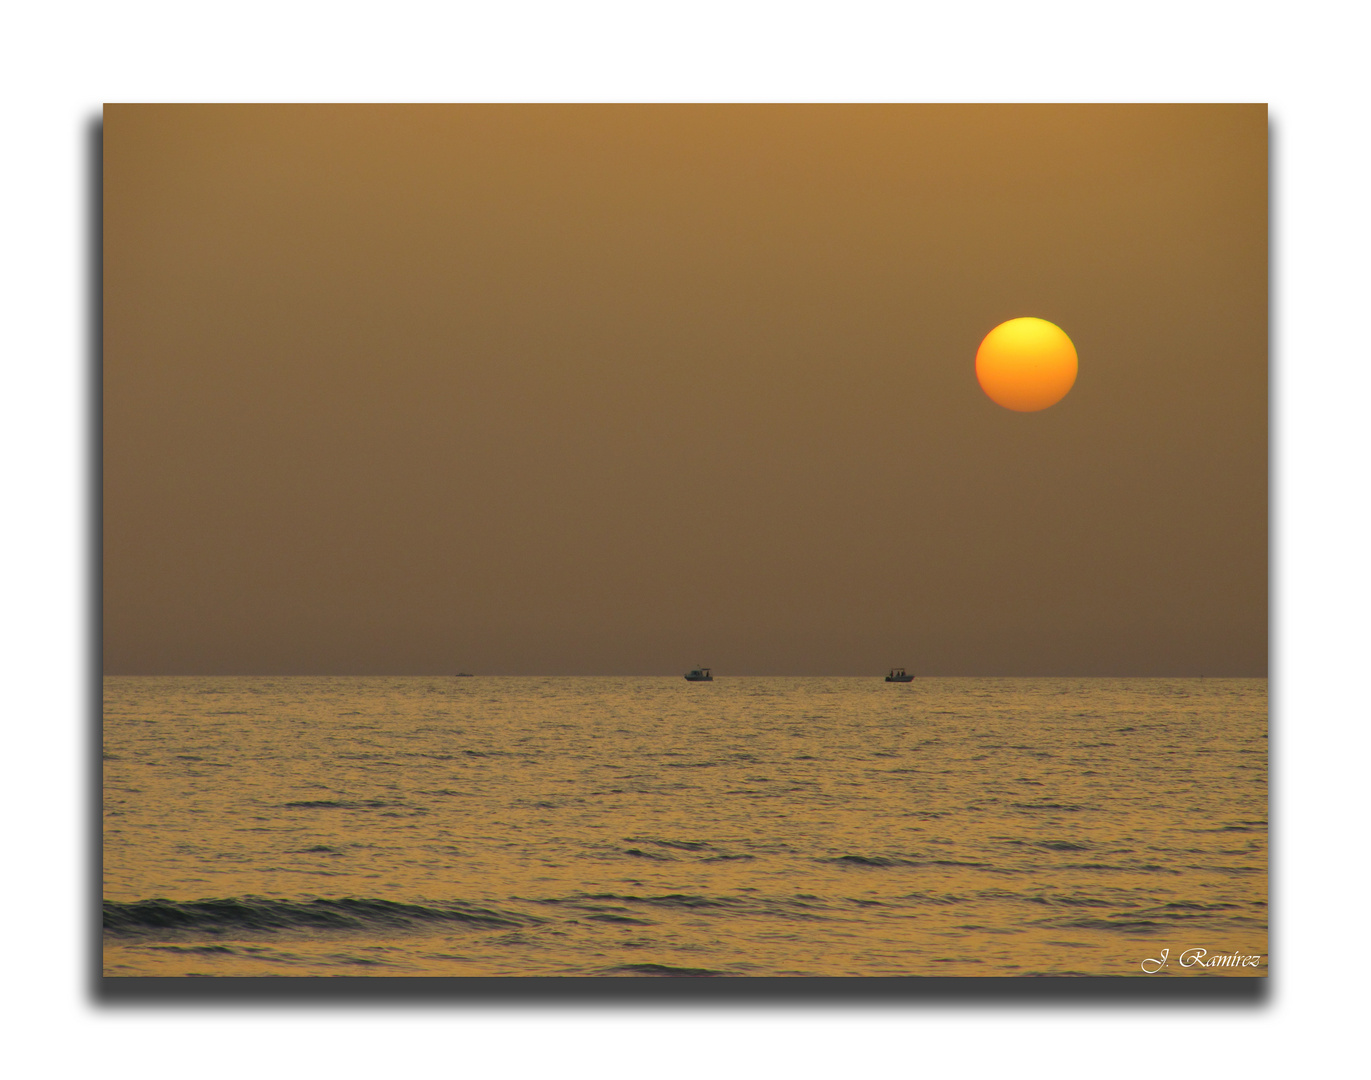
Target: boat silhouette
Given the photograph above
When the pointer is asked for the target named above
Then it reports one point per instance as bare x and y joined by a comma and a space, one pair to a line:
897, 674
700, 674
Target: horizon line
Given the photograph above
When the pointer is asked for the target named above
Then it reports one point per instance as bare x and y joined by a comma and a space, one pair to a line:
639, 675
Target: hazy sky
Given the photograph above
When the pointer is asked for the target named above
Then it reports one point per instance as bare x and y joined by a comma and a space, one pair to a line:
628, 389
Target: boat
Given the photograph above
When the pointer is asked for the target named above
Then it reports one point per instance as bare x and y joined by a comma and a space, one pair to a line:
463, 675
700, 674
897, 674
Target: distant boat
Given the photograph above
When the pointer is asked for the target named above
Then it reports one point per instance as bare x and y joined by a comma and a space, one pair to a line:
700, 674
897, 675
463, 675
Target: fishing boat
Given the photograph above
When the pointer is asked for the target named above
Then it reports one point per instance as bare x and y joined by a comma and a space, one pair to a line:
700, 674
897, 674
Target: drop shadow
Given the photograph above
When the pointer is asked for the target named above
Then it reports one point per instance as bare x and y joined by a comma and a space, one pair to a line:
92, 692
1273, 492
583, 992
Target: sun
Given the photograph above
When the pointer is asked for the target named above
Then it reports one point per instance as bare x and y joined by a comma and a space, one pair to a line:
1026, 364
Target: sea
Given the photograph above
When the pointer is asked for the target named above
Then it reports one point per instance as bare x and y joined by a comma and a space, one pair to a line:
654, 827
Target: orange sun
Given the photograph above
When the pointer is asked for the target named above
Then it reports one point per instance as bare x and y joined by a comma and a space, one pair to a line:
1026, 364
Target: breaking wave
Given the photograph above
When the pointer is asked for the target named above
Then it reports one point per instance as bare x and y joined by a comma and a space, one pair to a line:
153, 918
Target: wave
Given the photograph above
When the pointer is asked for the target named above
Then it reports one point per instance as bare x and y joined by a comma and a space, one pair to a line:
870, 860
1072, 807
339, 804
803, 906
679, 845
883, 861
1126, 926
153, 918
672, 900
663, 970
610, 917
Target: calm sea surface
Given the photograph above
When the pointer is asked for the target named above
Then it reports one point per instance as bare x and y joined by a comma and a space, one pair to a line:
650, 826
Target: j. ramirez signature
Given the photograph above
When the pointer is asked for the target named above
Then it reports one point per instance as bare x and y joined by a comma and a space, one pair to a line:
1192, 958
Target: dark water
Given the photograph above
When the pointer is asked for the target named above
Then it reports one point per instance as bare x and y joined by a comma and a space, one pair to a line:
649, 826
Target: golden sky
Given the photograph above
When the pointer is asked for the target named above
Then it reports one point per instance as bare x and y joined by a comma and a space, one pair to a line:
627, 389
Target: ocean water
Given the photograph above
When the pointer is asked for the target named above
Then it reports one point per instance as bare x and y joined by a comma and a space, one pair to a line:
650, 826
